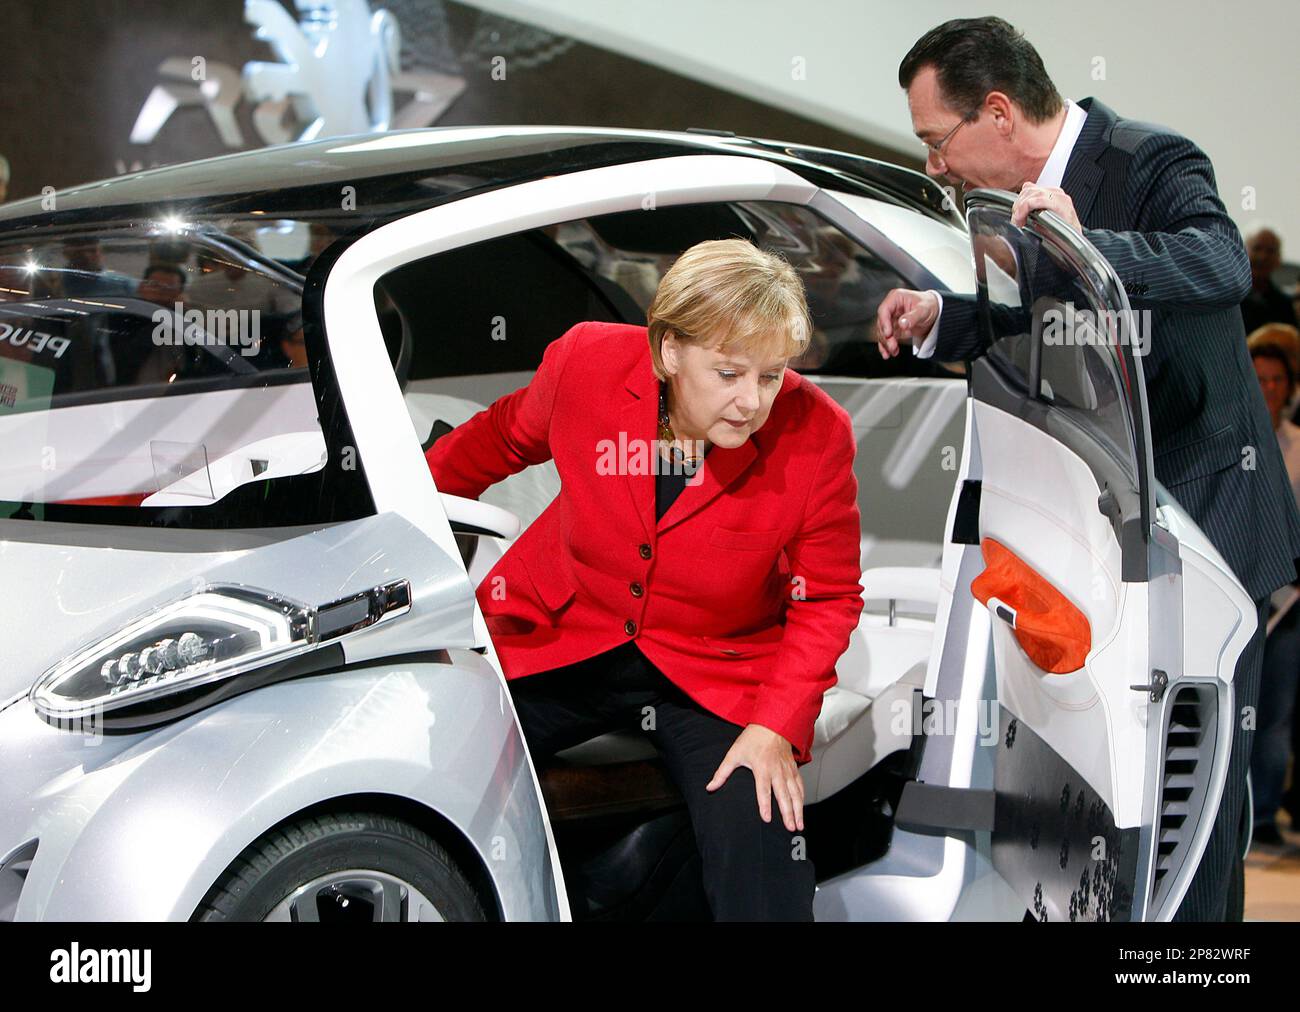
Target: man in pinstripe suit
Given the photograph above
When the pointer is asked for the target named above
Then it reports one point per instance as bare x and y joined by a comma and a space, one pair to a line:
1145, 197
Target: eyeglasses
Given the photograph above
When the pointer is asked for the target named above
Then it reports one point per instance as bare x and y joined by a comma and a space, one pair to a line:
938, 148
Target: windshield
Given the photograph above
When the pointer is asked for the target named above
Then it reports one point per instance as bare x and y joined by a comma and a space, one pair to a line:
158, 373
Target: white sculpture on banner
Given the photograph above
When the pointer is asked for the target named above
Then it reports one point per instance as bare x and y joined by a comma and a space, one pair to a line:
339, 67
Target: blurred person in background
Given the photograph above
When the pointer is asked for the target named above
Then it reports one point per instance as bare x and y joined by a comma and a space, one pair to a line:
1275, 351
84, 274
1266, 303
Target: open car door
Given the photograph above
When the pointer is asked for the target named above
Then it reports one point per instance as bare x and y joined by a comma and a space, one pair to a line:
1112, 628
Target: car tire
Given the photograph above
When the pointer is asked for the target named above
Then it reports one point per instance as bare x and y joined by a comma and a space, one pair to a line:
343, 867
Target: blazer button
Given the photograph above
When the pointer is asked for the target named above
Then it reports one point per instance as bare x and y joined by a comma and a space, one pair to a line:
629, 627
645, 551
636, 589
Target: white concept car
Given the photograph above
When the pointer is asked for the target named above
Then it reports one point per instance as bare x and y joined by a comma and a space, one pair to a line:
243, 673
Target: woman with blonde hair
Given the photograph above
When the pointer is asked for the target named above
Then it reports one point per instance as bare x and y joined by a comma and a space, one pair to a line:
697, 577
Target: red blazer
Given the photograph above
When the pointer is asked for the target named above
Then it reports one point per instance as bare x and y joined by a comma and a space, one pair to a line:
744, 594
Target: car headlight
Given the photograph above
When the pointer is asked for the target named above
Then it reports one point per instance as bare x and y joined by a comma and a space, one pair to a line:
199, 643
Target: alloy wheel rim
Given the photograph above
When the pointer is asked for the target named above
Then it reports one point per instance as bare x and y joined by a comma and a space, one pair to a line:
355, 895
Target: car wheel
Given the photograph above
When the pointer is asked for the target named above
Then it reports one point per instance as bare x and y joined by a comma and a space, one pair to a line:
353, 866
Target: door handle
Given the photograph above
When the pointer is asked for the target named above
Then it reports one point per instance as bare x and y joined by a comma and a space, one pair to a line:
1159, 682
1002, 610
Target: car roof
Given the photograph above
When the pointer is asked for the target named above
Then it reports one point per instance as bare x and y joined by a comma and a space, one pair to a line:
404, 170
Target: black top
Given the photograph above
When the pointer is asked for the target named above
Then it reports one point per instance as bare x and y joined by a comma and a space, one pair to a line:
1269, 306
669, 482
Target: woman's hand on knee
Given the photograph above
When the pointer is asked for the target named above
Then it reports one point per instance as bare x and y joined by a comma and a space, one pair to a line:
770, 757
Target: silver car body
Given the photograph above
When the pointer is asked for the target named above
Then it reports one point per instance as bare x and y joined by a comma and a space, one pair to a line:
418, 720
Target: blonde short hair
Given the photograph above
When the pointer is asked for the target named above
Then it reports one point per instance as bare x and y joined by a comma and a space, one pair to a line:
730, 292
1273, 339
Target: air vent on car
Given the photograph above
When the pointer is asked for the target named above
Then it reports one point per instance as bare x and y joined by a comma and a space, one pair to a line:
1184, 776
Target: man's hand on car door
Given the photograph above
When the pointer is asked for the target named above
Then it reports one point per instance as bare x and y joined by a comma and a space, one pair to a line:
904, 315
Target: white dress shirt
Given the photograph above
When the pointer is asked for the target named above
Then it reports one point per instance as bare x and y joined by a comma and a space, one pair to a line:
1052, 175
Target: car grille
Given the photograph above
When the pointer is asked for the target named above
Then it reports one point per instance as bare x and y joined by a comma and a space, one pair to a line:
1184, 778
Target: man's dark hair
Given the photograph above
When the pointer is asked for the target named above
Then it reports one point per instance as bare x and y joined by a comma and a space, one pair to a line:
974, 56
153, 269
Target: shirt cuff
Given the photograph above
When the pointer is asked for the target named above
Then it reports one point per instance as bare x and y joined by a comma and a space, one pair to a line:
926, 348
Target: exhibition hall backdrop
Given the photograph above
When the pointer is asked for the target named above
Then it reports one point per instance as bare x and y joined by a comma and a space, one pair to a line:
80, 76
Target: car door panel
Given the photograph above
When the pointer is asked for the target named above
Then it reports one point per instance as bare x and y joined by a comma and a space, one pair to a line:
1106, 777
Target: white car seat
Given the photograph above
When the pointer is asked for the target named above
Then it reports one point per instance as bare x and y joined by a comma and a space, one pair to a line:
868, 714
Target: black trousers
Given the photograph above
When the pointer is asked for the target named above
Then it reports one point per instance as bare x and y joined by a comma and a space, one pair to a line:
1207, 894
753, 870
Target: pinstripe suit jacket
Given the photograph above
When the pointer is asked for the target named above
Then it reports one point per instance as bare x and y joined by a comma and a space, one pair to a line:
1147, 200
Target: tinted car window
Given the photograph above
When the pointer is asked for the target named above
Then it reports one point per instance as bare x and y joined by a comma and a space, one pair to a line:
1054, 342
127, 311
493, 306
158, 374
